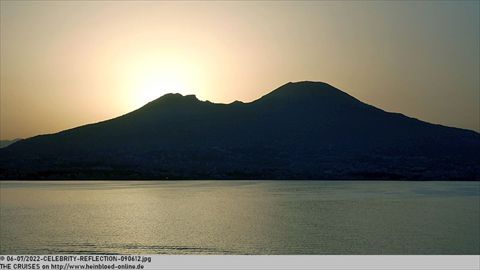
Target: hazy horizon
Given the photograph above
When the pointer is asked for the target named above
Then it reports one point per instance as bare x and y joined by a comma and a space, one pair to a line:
66, 64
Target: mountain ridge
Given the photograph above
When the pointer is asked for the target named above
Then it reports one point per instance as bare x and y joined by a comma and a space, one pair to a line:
303, 130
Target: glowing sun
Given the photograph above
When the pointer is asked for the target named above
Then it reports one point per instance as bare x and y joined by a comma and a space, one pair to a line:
158, 83
153, 79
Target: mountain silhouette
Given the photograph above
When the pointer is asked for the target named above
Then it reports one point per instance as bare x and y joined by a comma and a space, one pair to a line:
302, 130
5, 143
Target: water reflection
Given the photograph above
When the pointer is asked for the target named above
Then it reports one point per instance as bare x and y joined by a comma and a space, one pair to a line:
240, 217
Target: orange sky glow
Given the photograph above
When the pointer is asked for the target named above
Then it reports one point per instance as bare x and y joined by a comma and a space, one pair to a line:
65, 64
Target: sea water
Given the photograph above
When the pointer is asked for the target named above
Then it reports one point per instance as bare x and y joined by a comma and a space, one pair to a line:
239, 217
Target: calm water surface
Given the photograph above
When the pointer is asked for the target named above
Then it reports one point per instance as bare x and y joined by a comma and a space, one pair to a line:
240, 217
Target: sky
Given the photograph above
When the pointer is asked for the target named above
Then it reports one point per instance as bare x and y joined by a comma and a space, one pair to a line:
65, 64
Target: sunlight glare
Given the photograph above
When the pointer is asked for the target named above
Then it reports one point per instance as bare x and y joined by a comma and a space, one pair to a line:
154, 79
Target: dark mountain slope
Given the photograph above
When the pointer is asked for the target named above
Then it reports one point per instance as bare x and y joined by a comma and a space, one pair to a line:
303, 130
5, 143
